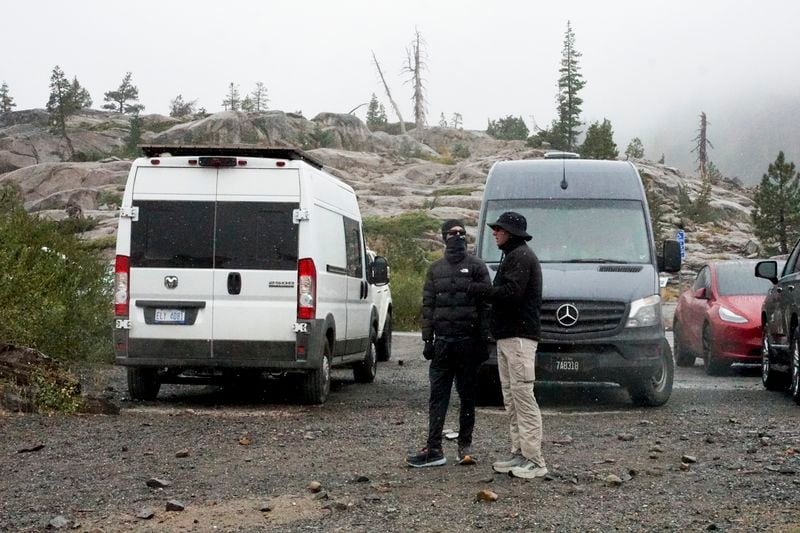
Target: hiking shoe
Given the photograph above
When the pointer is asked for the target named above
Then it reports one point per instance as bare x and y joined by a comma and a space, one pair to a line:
465, 456
529, 470
504, 467
425, 458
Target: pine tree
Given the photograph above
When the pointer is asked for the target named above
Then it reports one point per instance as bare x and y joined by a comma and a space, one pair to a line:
416, 64
248, 104
508, 128
259, 97
456, 120
570, 82
373, 118
599, 142
662, 160
61, 105
118, 100
81, 97
134, 135
442, 121
6, 101
776, 216
703, 143
232, 100
635, 149
179, 108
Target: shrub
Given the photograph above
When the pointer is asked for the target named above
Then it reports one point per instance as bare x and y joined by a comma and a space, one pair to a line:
110, 198
461, 151
87, 157
55, 294
509, 128
71, 225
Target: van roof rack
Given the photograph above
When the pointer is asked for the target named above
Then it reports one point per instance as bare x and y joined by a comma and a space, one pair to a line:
242, 150
561, 155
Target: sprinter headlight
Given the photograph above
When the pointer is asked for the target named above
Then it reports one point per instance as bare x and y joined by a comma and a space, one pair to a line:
644, 312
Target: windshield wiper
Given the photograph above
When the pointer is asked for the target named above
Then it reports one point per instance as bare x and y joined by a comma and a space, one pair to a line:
596, 260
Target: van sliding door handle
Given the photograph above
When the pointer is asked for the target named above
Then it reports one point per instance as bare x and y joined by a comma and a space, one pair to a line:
234, 283
790, 287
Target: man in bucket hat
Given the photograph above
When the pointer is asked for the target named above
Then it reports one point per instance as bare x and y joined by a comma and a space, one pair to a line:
516, 298
455, 327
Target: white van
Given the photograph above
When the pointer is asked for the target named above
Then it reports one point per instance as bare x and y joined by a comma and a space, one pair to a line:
236, 262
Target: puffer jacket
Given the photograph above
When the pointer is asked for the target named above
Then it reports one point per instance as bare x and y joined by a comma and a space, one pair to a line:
447, 310
516, 296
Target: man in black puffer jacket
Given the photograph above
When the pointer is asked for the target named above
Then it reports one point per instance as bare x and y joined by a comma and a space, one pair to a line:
455, 328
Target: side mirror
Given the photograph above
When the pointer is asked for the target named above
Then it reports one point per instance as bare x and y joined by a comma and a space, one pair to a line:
670, 260
379, 271
767, 270
700, 294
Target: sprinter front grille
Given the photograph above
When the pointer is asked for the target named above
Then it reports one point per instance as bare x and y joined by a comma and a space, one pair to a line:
581, 316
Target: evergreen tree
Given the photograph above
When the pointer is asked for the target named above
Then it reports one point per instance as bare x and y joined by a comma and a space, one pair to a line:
599, 142
123, 100
81, 97
179, 108
456, 120
635, 149
570, 82
6, 101
661, 161
714, 174
259, 96
442, 121
373, 118
248, 104
134, 136
776, 216
232, 100
61, 105
508, 128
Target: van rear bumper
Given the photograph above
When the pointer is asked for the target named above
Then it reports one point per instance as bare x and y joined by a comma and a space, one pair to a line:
302, 354
625, 358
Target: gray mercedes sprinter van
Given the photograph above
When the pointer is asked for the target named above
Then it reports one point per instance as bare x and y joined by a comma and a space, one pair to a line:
601, 308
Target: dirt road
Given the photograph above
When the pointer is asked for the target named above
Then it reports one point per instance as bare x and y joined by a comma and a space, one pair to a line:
722, 454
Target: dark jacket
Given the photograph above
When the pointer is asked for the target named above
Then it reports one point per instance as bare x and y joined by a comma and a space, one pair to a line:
516, 295
447, 310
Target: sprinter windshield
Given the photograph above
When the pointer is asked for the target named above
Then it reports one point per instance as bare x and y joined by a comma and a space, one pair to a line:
577, 231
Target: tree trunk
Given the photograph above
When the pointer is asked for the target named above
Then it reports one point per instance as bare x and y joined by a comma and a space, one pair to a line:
389, 95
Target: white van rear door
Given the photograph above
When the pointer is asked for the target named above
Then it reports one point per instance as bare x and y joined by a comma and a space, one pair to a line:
255, 275
171, 276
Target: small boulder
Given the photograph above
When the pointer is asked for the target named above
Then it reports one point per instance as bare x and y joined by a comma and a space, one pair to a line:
314, 486
486, 495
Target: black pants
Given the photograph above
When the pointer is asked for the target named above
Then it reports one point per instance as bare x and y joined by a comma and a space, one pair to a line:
457, 361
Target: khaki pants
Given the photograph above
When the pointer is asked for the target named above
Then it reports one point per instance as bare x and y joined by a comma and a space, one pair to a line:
516, 362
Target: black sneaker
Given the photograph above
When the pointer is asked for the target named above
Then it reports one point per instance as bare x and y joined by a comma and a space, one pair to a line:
465, 456
425, 458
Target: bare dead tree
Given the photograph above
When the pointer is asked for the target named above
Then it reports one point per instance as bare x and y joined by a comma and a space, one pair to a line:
415, 56
703, 143
389, 94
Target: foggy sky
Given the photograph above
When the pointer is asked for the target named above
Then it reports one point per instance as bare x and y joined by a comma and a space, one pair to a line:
650, 66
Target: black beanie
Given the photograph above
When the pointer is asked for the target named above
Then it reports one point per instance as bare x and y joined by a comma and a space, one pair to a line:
453, 222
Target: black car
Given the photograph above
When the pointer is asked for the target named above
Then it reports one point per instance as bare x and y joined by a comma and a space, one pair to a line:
780, 346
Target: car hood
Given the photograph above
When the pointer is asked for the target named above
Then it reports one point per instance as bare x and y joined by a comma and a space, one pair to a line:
602, 282
748, 306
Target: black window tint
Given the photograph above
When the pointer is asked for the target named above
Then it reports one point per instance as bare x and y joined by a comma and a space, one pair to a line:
256, 235
352, 240
173, 235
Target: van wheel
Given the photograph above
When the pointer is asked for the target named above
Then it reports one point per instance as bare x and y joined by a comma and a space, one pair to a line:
365, 371
656, 389
682, 356
772, 380
712, 364
316, 384
143, 383
384, 345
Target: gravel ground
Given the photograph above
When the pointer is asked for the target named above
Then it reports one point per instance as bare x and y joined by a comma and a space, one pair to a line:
251, 457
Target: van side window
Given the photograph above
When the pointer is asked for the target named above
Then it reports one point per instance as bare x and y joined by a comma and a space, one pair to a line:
792, 264
173, 235
355, 253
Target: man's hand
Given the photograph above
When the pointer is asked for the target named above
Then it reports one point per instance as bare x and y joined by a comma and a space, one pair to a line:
428, 351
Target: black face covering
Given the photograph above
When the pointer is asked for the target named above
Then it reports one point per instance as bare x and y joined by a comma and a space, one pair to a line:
456, 249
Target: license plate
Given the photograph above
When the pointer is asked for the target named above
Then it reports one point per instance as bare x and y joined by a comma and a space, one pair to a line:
568, 365
170, 316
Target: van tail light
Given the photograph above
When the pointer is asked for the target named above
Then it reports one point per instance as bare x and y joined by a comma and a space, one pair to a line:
306, 289
122, 269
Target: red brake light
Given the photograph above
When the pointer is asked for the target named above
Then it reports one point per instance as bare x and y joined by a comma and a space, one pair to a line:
241, 162
280, 163
155, 161
306, 289
121, 285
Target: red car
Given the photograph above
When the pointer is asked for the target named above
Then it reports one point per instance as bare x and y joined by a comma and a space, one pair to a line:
719, 317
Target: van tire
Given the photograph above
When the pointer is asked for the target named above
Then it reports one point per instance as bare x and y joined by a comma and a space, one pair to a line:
682, 356
365, 371
655, 390
384, 344
143, 383
316, 384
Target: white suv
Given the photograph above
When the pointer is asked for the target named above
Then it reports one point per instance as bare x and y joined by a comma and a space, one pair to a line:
380, 294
